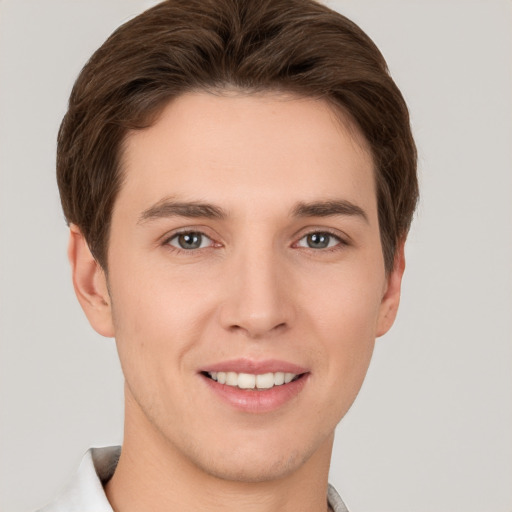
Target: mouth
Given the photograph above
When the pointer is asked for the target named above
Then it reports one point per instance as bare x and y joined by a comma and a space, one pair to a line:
253, 382
252, 386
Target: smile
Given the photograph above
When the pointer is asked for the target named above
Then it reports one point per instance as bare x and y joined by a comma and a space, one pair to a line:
252, 381
255, 387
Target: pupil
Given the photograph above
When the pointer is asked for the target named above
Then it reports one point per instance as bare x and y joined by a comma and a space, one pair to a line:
318, 240
190, 240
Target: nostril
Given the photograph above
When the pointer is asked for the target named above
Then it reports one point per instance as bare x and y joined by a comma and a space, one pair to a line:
256, 331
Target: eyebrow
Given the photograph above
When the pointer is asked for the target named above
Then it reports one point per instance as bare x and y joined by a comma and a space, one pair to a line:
170, 208
329, 209
194, 209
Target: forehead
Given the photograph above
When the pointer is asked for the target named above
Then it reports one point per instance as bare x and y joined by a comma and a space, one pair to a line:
220, 147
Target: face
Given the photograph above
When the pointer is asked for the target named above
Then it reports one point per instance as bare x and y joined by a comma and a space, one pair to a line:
246, 280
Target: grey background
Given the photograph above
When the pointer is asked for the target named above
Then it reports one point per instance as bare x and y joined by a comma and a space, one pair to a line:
432, 427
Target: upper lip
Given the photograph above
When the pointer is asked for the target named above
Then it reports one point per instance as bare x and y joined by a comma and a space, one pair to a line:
244, 365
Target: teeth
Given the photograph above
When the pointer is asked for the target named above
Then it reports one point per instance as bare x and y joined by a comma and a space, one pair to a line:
232, 379
265, 381
251, 381
245, 381
279, 378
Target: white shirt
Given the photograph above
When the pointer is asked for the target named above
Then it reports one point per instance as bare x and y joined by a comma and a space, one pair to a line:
85, 493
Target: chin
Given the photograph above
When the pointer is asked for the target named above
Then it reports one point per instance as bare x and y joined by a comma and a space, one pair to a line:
260, 457
244, 468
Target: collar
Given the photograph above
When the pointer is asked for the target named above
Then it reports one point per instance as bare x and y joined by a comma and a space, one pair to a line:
85, 492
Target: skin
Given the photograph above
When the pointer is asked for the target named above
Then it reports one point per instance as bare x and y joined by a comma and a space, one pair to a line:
255, 289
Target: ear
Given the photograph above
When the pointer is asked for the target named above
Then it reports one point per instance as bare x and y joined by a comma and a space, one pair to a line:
391, 297
90, 283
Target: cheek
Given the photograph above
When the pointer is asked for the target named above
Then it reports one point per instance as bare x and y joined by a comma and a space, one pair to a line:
158, 315
346, 306
346, 316
155, 327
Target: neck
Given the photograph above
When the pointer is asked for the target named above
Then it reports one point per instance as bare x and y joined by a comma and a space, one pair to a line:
153, 474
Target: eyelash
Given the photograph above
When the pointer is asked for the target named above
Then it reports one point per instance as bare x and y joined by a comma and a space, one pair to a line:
340, 242
175, 236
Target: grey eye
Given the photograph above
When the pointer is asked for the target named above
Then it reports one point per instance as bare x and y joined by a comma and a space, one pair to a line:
190, 240
319, 240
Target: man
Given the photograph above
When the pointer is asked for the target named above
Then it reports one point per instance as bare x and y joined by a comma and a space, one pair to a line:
239, 178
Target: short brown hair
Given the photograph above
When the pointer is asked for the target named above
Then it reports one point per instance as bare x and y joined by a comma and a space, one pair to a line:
297, 46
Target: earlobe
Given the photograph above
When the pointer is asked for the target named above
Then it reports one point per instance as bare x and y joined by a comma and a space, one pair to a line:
391, 297
90, 283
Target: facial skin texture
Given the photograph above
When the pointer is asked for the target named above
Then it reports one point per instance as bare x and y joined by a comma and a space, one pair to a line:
255, 290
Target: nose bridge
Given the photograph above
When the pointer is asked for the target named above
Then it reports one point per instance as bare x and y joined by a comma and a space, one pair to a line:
257, 301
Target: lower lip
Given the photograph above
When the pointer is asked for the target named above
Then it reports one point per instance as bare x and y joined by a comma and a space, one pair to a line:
257, 401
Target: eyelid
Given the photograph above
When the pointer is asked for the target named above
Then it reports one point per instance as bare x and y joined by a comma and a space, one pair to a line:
168, 237
344, 239
204, 238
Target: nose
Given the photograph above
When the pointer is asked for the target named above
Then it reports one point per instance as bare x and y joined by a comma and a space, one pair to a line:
259, 297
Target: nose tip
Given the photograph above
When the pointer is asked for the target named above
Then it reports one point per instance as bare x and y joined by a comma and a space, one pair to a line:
258, 303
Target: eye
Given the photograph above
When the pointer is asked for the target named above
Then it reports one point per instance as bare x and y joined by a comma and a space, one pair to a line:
190, 240
319, 240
